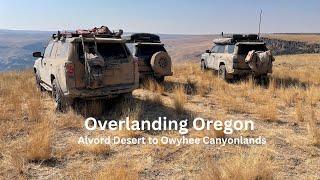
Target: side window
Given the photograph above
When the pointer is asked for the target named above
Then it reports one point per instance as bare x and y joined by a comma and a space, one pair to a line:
48, 50
54, 49
63, 50
222, 49
130, 47
230, 49
215, 49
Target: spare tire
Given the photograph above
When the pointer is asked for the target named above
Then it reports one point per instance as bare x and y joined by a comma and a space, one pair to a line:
259, 61
161, 63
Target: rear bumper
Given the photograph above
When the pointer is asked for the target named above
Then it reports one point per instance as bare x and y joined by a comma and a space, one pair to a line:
146, 74
246, 72
242, 71
101, 93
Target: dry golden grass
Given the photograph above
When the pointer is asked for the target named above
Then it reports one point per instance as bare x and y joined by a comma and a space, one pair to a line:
248, 164
68, 120
157, 99
179, 98
149, 84
299, 112
94, 149
267, 112
39, 146
160, 89
123, 172
313, 128
294, 91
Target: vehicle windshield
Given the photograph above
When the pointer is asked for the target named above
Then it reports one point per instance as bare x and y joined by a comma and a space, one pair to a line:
107, 50
245, 48
149, 50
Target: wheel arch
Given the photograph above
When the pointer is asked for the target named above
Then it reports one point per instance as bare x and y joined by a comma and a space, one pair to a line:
52, 77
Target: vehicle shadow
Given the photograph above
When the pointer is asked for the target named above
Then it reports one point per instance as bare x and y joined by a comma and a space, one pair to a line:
190, 87
289, 82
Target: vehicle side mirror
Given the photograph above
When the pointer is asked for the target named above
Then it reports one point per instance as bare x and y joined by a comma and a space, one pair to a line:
37, 54
208, 51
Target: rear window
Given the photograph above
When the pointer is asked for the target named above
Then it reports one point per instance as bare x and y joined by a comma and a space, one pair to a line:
149, 50
245, 48
109, 51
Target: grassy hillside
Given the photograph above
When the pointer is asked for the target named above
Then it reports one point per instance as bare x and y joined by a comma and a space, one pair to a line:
37, 143
308, 38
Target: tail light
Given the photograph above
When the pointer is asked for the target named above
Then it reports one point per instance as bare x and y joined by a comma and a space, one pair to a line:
69, 68
135, 61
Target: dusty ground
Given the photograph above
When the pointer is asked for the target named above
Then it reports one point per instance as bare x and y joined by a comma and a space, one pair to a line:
37, 143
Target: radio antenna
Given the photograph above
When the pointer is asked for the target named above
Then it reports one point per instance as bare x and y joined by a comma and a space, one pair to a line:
260, 24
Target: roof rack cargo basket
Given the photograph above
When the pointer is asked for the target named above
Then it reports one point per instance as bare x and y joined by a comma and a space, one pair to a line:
102, 32
142, 37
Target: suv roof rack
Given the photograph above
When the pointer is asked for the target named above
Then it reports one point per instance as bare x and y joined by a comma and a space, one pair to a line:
234, 38
102, 32
142, 37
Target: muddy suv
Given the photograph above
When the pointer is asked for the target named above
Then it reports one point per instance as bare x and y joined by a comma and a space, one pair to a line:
154, 61
85, 65
237, 56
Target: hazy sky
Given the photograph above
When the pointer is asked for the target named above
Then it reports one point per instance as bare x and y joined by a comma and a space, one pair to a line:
163, 16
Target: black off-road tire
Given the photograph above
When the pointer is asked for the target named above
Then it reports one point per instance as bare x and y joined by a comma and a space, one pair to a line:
59, 101
38, 81
265, 81
159, 79
203, 66
261, 80
222, 72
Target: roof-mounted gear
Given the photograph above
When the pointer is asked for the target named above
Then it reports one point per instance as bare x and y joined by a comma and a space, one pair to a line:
234, 38
142, 37
102, 32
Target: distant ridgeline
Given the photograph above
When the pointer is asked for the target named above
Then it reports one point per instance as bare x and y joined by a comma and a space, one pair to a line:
283, 47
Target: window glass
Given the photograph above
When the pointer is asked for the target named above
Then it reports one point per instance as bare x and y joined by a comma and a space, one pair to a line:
63, 50
231, 49
245, 48
149, 50
215, 49
130, 47
54, 50
221, 49
109, 51
48, 50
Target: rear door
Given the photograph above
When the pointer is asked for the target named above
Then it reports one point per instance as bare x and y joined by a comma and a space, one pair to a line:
119, 66
243, 50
